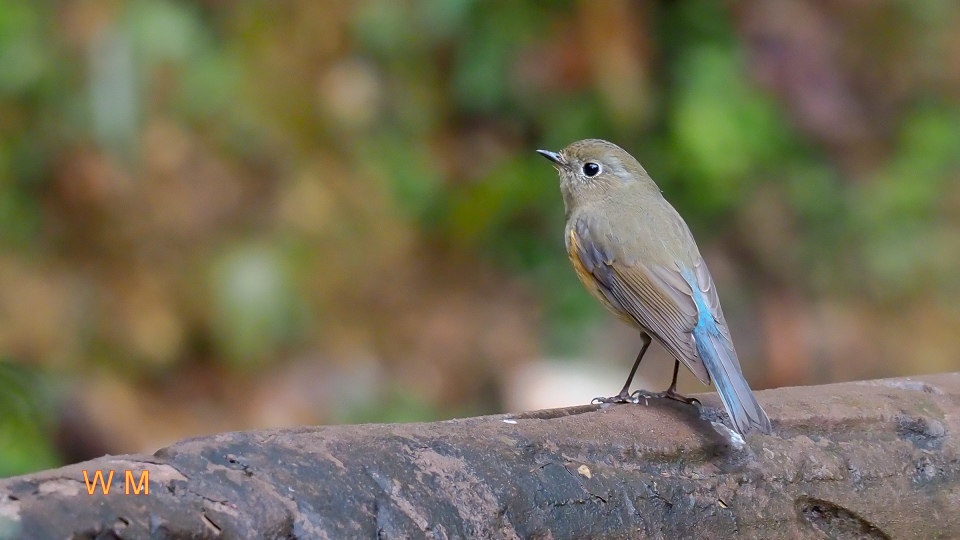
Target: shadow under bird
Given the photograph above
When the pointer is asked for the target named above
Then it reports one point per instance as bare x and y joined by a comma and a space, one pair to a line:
636, 255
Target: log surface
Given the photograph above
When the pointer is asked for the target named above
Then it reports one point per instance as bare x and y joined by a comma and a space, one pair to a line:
876, 460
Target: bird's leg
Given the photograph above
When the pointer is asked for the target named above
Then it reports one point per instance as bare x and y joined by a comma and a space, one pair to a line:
624, 395
669, 393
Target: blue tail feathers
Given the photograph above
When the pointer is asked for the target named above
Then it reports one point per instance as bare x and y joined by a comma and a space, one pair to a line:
721, 361
718, 355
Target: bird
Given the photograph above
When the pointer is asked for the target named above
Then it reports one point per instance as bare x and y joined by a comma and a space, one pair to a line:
636, 255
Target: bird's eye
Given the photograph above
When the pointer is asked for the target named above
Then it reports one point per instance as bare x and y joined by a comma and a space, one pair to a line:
591, 169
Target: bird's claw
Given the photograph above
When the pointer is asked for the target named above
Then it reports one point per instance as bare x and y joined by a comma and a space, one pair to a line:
622, 397
666, 394
637, 395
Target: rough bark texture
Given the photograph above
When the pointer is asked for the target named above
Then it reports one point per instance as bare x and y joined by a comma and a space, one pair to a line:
874, 460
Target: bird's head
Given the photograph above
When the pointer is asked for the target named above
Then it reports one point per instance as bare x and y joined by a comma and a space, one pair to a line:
593, 169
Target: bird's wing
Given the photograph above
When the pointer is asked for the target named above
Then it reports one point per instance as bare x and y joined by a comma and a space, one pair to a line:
658, 298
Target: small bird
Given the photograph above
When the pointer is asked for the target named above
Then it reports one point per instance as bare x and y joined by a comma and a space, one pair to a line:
636, 255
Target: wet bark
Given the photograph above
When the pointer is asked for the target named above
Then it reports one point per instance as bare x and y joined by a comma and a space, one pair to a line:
877, 459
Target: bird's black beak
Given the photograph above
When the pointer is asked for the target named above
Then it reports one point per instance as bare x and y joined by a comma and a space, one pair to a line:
556, 158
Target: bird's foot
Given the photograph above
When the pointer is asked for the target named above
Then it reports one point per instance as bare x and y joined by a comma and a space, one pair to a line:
669, 393
623, 397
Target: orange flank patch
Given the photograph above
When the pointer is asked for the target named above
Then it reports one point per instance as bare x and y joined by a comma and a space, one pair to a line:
582, 272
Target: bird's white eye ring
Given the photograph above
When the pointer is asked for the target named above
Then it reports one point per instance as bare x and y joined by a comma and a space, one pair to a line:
591, 169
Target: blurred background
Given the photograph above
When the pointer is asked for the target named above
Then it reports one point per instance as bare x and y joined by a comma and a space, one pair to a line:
228, 214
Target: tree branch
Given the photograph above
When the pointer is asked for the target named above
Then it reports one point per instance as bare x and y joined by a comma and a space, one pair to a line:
877, 459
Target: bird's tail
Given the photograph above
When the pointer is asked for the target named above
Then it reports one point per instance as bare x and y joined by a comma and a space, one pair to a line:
721, 361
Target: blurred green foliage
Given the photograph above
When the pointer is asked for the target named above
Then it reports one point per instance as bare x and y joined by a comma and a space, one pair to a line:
197, 194
26, 428
258, 309
395, 406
